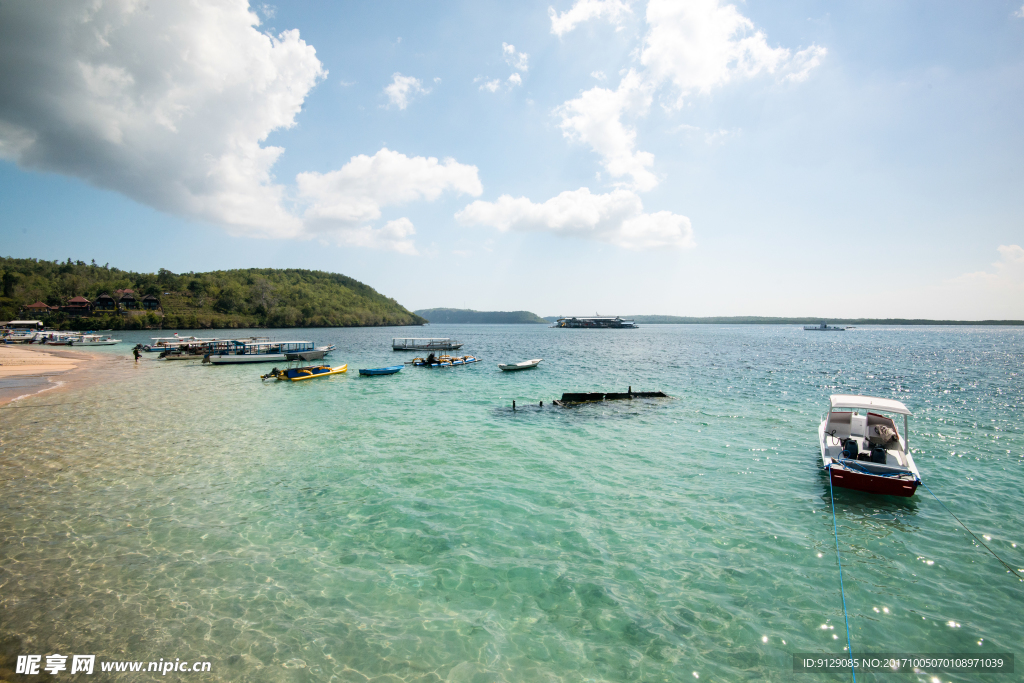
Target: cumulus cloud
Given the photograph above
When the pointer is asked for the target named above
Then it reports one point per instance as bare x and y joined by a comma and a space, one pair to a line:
517, 60
514, 80
170, 104
689, 47
1019, 13
585, 10
402, 88
343, 203
595, 118
617, 218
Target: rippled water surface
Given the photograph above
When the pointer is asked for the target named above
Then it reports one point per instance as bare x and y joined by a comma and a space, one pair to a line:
414, 528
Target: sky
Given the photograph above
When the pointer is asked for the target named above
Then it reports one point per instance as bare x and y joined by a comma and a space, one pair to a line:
685, 157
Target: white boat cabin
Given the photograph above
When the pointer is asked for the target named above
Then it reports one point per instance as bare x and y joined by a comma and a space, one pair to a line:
853, 430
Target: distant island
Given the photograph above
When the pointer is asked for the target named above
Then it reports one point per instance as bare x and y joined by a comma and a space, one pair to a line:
78, 296
463, 316
761, 320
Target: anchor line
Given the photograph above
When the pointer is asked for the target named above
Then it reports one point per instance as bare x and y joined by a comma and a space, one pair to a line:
839, 561
1017, 574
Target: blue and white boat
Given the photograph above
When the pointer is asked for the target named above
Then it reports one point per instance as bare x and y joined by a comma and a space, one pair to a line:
380, 371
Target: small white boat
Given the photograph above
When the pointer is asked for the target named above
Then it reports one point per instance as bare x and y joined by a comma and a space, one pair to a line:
96, 340
525, 365
862, 449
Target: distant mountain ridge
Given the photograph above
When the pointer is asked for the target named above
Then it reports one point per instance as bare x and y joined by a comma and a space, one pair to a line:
763, 320
465, 316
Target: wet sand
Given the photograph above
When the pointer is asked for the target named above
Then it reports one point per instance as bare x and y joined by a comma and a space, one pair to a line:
27, 369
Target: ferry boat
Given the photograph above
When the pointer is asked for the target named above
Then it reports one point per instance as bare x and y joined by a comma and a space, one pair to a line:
22, 331
164, 343
862, 449
425, 344
245, 351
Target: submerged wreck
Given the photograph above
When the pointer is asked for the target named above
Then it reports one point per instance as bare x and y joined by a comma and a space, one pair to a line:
592, 397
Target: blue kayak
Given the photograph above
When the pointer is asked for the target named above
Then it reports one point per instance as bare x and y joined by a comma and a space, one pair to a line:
381, 371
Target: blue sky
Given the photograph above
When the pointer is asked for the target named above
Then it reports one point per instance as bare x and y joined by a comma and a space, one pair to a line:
686, 158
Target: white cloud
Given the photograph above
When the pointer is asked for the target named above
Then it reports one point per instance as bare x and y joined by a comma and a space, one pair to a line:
617, 218
514, 80
702, 44
690, 47
167, 103
598, 75
170, 104
1019, 13
585, 10
517, 60
402, 88
595, 118
1007, 273
342, 204
491, 86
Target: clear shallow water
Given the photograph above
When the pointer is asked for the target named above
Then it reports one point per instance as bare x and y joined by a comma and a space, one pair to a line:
413, 528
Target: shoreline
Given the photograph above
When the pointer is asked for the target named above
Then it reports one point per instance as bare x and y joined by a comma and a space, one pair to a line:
27, 370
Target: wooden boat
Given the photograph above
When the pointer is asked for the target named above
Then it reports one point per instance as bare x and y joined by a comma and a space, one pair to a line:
862, 449
525, 365
571, 399
304, 373
380, 371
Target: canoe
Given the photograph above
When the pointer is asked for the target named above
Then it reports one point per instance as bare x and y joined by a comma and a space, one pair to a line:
308, 372
525, 365
380, 371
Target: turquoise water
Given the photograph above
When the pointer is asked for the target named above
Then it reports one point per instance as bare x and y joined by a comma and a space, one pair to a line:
413, 528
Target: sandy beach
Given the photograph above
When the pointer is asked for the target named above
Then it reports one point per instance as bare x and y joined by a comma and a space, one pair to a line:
29, 369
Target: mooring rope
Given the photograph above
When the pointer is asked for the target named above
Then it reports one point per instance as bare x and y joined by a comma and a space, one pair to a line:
839, 561
972, 534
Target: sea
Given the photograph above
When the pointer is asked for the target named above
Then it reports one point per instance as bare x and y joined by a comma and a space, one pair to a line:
414, 527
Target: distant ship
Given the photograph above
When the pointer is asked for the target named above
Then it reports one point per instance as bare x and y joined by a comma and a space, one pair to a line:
597, 323
824, 328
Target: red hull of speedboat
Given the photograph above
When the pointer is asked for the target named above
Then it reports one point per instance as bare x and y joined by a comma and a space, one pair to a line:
887, 486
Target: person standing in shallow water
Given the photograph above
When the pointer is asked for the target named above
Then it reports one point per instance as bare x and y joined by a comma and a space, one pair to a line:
135, 351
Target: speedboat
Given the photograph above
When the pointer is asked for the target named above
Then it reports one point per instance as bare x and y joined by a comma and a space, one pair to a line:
525, 365
381, 371
308, 372
862, 448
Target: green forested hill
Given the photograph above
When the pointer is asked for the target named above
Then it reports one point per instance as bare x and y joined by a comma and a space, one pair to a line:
252, 297
464, 316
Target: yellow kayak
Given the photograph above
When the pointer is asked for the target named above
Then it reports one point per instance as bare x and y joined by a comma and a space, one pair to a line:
308, 372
